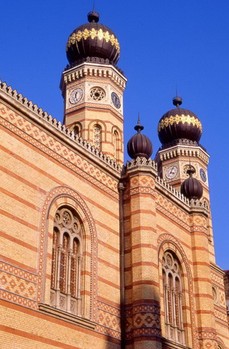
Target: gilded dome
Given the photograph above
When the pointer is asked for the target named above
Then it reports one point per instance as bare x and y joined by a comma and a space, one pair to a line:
179, 124
139, 145
92, 40
191, 188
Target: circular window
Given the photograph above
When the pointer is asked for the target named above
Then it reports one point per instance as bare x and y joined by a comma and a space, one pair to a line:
188, 167
97, 93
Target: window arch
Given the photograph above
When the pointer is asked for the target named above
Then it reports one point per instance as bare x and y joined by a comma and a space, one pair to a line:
97, 136
172, 291
116, 144
66, 261
76, 130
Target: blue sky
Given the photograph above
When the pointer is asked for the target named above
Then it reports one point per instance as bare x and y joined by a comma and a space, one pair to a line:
166, 45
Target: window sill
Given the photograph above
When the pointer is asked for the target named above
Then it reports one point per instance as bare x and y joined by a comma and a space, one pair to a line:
169, 344
62, 315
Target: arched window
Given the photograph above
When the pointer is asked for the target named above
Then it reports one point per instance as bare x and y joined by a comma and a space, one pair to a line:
76, 130
97, 136
66, 261
172, 289
115, 142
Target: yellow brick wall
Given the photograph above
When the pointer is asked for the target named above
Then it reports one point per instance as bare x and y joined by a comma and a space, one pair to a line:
30, 172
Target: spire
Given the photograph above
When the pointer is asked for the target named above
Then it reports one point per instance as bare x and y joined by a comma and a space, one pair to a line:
139, 127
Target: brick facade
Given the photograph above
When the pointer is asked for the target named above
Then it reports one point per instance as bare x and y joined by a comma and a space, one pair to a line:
131, 220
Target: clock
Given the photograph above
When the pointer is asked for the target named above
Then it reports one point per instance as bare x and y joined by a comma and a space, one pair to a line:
203, 175
171, 172
75, 95
116, 100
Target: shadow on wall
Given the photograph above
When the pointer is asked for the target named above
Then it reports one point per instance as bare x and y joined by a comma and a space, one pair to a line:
143, 315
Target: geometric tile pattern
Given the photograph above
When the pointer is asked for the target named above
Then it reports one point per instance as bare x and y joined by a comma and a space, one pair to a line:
220, 299
143, 320
17, 285
108, 320
172, 211
221, 315
57, 150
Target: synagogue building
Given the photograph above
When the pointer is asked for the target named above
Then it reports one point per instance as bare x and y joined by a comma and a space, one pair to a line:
97, 252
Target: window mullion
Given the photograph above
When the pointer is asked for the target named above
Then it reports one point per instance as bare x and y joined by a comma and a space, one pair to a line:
68, 279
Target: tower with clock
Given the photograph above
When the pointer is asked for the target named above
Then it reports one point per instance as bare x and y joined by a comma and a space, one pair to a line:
98, 253
180, 131
92, 86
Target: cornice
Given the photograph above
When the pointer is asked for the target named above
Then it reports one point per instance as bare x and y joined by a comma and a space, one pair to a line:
96, 70
41, 118
183, 150
217, 269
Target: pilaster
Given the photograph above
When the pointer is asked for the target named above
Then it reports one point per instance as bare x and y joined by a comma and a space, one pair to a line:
204, 305
141, 259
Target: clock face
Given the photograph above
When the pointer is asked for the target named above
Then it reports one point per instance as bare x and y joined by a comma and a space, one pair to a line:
116, 100
171, 172
75, 95
203, 175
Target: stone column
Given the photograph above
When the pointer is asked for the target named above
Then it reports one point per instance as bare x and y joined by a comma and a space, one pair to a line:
204, 306
141, 261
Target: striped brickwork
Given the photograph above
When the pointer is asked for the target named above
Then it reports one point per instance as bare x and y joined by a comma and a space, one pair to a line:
156, 222
43, 168
89, 112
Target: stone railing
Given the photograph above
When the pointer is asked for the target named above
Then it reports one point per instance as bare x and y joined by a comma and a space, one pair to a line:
150, 164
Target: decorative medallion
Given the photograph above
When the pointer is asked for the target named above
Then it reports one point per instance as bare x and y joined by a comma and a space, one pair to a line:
97, 93
188, 167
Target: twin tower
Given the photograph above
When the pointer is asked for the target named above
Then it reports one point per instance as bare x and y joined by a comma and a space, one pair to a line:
165, 262
97, 252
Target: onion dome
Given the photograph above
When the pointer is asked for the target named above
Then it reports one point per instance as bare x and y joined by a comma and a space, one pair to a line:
92, 40
179, 124
191, 188
139, 144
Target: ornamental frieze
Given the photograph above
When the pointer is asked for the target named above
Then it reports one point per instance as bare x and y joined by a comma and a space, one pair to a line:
173, 212
57, 150
143, 320
93, 34
170, 120
108, 320
142, 181
18, 285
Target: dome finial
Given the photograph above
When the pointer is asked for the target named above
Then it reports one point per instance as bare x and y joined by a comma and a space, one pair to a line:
191, 188
92, 42
139, 145
177, 101
93, 16
139, 127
